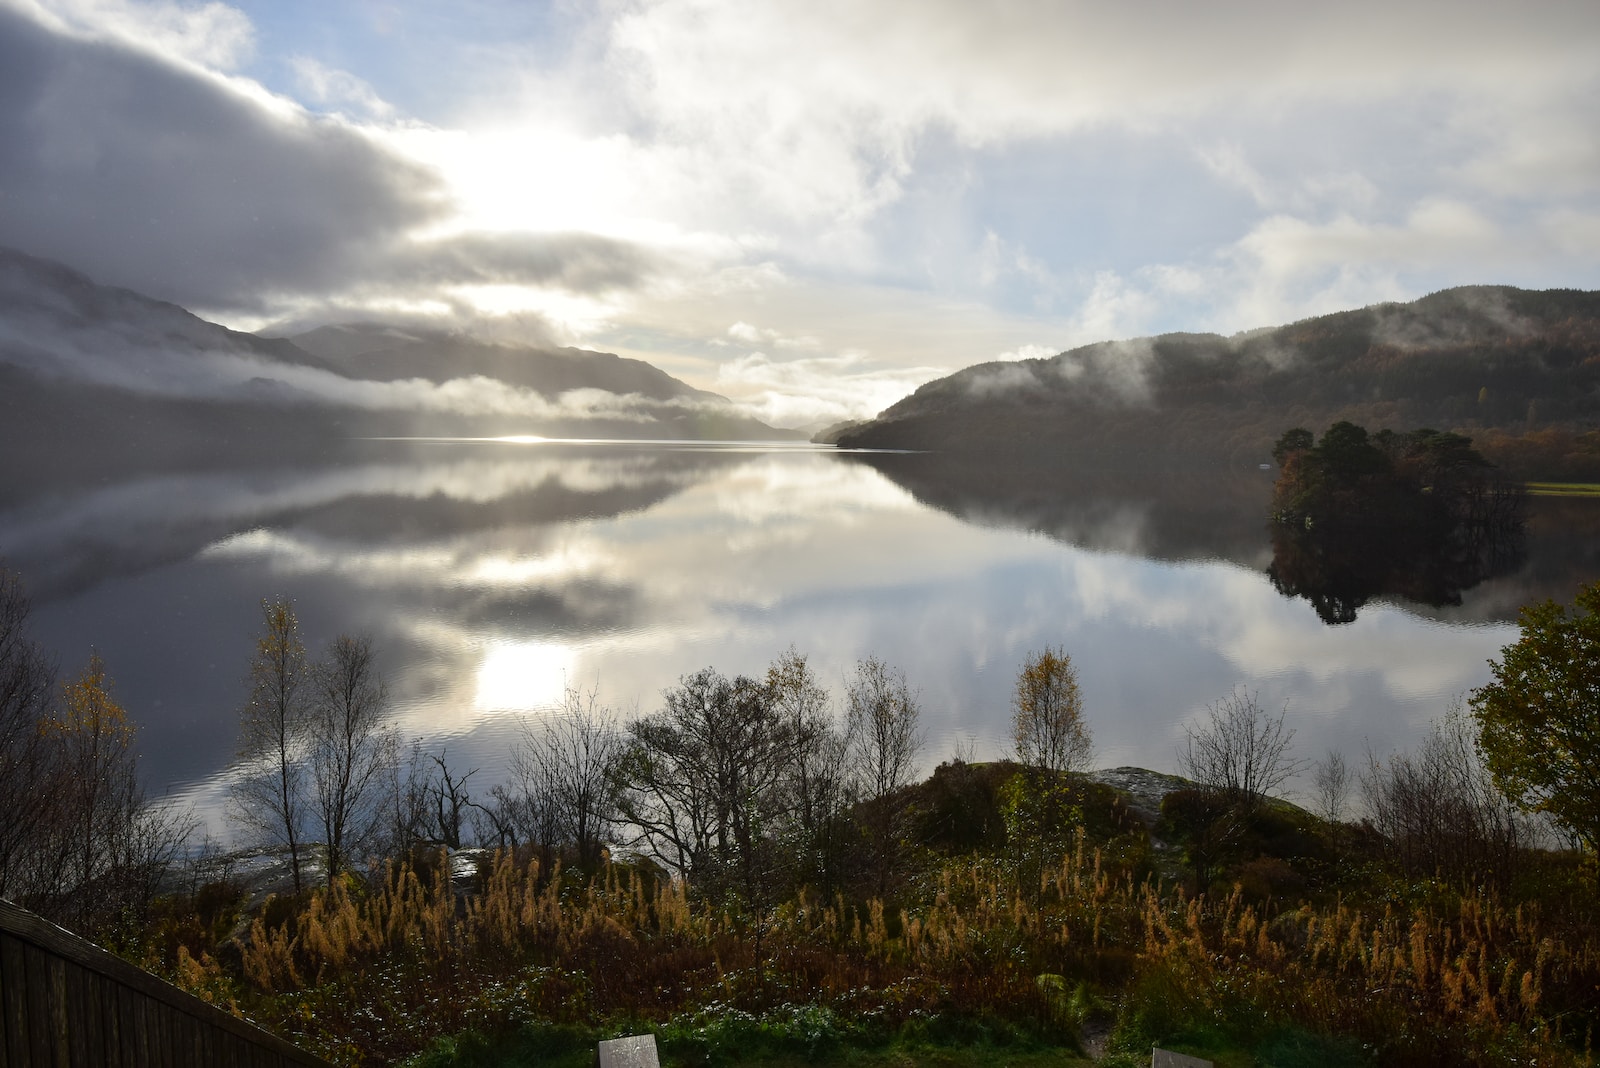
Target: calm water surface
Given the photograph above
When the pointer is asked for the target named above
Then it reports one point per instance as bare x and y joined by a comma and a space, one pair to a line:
492, 574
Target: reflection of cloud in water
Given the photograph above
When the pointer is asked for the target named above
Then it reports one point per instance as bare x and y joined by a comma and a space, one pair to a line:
491, 581
73, 541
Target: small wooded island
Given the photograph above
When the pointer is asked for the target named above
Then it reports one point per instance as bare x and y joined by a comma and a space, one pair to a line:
1421, 515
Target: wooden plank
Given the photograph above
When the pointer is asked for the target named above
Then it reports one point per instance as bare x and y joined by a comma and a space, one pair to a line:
60, 1033
156, 1023
127, 1025
205, 1046
166, 1049
141, 1048
187, 1044
78, 1000
116, 1054
82, 1010
14, 1001
36, 974
5, 1047
100, 1010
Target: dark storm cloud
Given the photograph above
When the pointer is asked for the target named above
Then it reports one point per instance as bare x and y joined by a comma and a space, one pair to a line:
145, 174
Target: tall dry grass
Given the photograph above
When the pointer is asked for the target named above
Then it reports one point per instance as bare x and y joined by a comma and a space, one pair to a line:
392, 965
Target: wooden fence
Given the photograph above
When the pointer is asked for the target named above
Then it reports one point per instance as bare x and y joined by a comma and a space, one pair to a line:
65, 1003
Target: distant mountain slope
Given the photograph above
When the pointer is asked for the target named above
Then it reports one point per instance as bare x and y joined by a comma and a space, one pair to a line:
1485, 359
49, 312
386, 353
93, 375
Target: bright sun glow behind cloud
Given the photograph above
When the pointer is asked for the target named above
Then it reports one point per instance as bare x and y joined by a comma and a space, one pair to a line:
530, 177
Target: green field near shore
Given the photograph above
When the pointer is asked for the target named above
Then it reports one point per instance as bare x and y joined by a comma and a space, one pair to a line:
1564, 489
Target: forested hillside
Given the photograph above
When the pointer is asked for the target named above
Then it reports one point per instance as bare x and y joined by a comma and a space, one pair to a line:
1518, 370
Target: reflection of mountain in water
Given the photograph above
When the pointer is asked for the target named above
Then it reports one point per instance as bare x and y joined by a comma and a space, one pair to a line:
415, 495
1221, 516
1138, 512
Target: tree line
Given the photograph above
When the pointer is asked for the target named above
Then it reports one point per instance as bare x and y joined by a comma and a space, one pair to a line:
748, 787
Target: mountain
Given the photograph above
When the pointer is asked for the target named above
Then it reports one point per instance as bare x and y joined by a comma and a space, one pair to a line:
387, 353
55, 322
92, 375
1517, 369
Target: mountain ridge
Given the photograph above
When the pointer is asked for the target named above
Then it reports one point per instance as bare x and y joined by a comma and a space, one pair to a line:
1475, 358
86, 351
381, 352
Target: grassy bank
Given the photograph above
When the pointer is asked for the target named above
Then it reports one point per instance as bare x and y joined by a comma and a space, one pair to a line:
1564, 489
1306, 945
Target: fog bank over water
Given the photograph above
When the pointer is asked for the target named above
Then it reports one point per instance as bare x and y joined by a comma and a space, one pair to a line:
492, 574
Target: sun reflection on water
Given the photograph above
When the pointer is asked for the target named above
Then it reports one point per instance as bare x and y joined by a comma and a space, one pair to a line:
518, 676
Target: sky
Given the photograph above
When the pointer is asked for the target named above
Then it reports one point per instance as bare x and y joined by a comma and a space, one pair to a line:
811, 207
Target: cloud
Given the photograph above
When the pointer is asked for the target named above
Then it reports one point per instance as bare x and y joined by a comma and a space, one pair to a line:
339, 89
1335, 126
1436, 231
1036, 68
576, 262
814, 391
1026, 352
1549, 150
146, 174
123, 157
210, 35
833, 96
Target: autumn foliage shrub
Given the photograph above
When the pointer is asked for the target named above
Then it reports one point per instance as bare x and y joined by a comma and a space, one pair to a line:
369, 976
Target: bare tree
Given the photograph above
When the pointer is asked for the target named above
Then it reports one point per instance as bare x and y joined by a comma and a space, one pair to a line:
1047, 726
27, 679
1332, 779
448, 802
883, 722
562, 794
820, 782
1240, 752
527, 805
582, 747
703, 782
349, 749
405, 802
1439, 811
496, 821
268, 800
